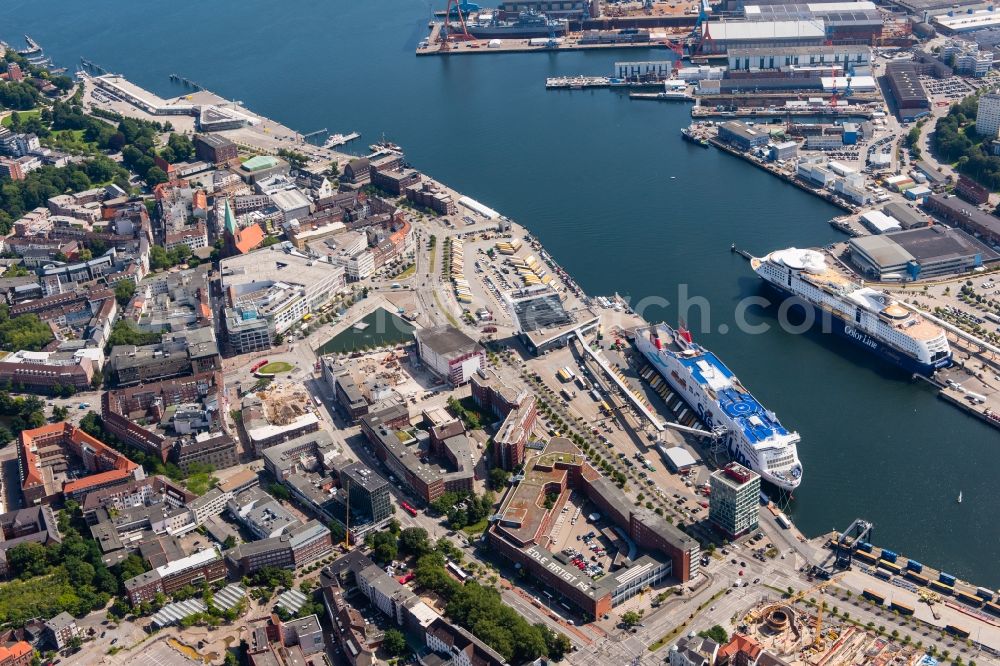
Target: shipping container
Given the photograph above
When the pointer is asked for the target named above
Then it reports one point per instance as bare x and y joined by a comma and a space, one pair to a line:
957, 631
883, 574
894, 568
864, 557
913, 565
941, 587
889, 556
865, 546
969, 599
992, 608
917, 578
901, 608
984, 593
874, 596
947, 579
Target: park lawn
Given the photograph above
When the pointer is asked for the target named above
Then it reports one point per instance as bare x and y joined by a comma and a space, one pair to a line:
475, 529
274, 367
409, 272
24, 116
200, 483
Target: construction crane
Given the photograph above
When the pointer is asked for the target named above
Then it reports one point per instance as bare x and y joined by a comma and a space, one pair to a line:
347, 514
817, 642
818, 637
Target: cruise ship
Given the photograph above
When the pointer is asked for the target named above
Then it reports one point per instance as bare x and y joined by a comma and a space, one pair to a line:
752, 434
867, 317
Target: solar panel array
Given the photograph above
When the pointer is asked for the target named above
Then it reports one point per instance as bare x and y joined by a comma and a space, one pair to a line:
831, 17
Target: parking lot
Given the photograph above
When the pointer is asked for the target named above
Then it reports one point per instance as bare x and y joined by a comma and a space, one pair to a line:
577, 535
953, 88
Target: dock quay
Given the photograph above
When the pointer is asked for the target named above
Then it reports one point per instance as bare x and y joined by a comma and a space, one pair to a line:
581, 82
848, 111
432, 45
905, 585
774, 171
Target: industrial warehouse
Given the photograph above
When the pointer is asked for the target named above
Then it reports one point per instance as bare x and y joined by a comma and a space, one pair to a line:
919, 254
541, 512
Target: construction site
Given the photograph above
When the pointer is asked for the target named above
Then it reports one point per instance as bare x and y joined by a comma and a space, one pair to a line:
817, 638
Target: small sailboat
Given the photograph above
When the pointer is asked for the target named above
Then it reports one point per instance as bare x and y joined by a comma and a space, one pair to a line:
959, 496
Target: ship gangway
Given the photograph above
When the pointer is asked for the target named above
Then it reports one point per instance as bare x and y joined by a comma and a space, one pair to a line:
638, 402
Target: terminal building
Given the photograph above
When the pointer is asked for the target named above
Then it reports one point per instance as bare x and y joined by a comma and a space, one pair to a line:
521, 532
542, 322
918, 253
733, 505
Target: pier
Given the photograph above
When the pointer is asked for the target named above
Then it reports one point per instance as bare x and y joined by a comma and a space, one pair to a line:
335, 140
774, 171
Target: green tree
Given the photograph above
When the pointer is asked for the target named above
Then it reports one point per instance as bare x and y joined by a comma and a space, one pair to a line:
499, 478
384, 548
631, 618
279, 491
717, 633
155, 175
395, 642
124, 291
414, 541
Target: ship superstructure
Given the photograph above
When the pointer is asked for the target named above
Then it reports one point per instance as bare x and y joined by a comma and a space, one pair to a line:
753, 435
868, 317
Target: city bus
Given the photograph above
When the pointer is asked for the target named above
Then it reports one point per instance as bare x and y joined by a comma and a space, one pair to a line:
408, 508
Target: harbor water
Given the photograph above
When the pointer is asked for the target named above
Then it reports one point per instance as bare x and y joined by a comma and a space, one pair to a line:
617, 197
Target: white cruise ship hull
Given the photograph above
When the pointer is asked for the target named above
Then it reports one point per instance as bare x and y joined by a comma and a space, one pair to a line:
712, 414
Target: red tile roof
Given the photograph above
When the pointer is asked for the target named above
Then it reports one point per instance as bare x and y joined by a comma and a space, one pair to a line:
249, 238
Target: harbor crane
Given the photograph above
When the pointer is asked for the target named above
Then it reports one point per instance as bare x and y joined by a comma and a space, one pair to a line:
859, 530
447, 34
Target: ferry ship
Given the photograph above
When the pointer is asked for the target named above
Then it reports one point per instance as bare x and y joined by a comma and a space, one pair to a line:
752, 434
868, 317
